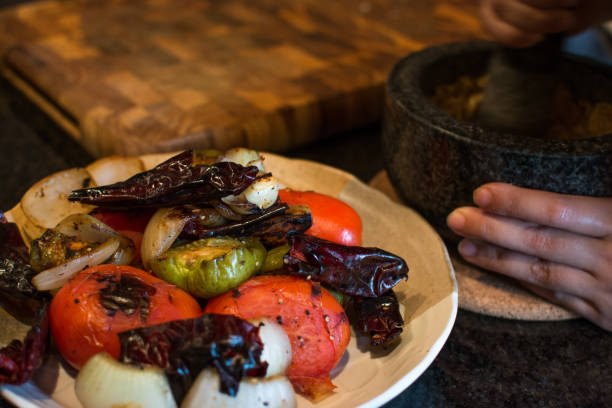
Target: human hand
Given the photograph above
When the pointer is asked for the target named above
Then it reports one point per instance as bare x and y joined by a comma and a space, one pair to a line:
522, 23
558, 246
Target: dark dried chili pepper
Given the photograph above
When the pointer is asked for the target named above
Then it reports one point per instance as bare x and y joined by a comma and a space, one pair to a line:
20, 359
378, 317
178, 180
272, 226
18, 296
353, 270
184, 348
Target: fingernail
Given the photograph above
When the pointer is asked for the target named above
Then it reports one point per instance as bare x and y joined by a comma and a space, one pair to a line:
467, 248
482, 196
456, 220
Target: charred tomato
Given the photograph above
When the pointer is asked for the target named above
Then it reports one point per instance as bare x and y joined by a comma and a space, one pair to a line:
332, 219
313, 319
99, 302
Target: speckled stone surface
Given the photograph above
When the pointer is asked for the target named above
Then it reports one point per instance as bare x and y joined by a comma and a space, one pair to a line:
486, 362
436, 161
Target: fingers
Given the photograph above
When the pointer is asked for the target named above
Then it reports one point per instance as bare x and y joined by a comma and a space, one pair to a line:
503, 32
548, 243
572, 288
583, 215
579, 305
523, 23
532, 270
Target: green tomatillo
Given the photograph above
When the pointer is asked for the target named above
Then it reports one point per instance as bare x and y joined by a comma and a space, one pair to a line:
210, 266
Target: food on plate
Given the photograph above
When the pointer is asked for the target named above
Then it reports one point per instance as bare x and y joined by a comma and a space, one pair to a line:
78, 241
183, 348
178, 180
101, 301
333, 219
353, 270
312, 318
113, 169
45, 202
275, 392
104, 382
380, 318
134, 262
211, 266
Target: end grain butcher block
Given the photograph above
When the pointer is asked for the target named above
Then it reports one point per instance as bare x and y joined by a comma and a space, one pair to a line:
134, 76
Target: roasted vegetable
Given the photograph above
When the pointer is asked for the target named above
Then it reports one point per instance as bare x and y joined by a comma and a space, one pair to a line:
272, 226
274, 259
210, 266
379, 317
183, 348
101, 301
20, 359
15, 269
312, 318
103, 382
275, 392
368, 272
332, 219
54, 248
77, 242
178, 180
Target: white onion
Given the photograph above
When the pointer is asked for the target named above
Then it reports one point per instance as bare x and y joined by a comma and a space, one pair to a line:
112, 169
274, 392
57, 276
277, 346
104, 382
244, 157
46, 202
162, 230
90, 229
263, 192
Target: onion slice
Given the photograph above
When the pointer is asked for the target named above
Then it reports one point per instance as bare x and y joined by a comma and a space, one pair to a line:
162, 230
56, 277
276, 346
90, 229
276, 392
104, 382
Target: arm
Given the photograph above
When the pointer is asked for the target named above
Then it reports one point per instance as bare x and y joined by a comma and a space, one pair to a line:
559, 246
522, 23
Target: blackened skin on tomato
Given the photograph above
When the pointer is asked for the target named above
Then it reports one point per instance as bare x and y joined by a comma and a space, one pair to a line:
176, 181
368, 272
379, 317
127, 294
20, 359
183, 348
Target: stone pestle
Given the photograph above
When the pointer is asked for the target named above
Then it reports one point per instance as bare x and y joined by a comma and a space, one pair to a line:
519, 94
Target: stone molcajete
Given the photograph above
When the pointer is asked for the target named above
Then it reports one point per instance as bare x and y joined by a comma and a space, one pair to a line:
436, 160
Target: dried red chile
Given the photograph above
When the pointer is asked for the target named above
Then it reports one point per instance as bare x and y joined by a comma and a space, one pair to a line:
20, 359
353, 270
378, 317
176, 181
18, 296
272, 226
184, 348
129, 294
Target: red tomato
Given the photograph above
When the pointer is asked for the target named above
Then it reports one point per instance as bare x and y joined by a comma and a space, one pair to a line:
82, 326
313, 319
332, 219
127, 223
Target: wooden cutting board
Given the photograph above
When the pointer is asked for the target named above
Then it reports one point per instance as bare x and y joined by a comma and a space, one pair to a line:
134, 76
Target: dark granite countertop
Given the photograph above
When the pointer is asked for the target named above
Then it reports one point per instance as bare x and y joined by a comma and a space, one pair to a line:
486, 362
